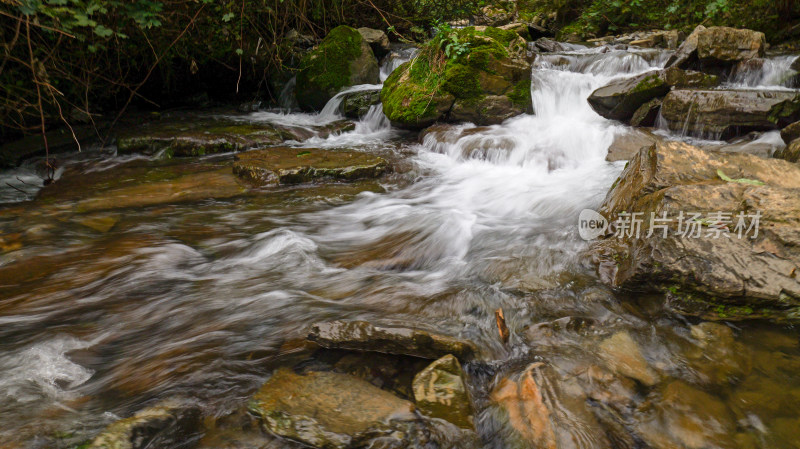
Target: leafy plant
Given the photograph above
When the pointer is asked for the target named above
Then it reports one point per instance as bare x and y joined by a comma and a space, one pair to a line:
448, 41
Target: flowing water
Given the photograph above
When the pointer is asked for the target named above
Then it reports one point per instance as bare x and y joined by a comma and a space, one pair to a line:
105, 310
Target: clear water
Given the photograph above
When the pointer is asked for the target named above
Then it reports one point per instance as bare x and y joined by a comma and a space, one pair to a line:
199, 296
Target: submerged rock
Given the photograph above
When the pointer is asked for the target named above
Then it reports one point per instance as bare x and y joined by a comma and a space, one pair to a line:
729, 113
487, 84
342, 59
440, 391
683, 416
356, 105
714, 266
190, 135
538, 409
619, 100
289, 165
623, 355
330, 410
716, 356
363, 336
170, 424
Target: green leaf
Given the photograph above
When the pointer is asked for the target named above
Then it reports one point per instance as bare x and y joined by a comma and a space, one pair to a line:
228, 16
102, 31
727, 178
303, 153
239, 51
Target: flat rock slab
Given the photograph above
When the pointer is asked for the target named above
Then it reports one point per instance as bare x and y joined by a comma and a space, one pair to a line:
329, 410
287, 165
199, 136
723, 114
363, 336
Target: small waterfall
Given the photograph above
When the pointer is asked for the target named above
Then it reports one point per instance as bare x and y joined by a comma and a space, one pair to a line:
332, 109
286, 99
395, 59
765, 73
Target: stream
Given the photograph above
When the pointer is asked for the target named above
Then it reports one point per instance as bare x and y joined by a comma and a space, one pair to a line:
105, 311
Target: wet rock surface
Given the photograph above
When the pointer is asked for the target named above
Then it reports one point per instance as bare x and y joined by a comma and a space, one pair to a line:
620, 100
363, 336
623, 355
486, 85
718, 47
727, 277
289, 165
440, 391
190, 135
729, 113
344, 58
357, 104
329, 410
169, 424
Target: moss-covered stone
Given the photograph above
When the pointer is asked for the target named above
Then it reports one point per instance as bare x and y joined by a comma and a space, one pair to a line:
342, 59
286, 165
487, 84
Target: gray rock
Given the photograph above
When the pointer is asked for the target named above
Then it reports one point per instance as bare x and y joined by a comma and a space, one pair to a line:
546, 45
356, 105
363, 336
619, 100
377, 40
718, 47
729, 113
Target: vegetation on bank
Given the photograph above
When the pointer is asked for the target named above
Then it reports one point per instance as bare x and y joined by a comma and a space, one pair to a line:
66, 62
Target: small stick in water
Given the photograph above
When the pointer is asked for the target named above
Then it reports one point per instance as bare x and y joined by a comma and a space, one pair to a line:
501, 325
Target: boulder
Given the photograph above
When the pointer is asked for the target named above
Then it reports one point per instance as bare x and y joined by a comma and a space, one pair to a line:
520, 28
289, 165
657, 39
724, 45
795, 65
647, 114
546, 45
790, 153
790, 133
620, 99
329, 410
377, 40
440, 391
627, 145
356, 105
493, 15
169, 424
717, 47
722, 114
342, 59
363, 336
487, 84
715, 264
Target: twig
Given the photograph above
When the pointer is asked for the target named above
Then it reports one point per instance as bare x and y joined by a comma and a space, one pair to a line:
17, 189
45, 27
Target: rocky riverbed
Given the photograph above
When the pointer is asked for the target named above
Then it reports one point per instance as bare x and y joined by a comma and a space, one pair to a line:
401, 265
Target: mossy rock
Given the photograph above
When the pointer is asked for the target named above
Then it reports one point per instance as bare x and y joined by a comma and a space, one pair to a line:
287, 165
486, 85
342, 59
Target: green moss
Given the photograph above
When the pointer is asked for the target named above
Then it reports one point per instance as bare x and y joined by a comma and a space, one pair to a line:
461, 81
648, 83
785, 112
505, 37
412, 101
326, 70
521, 95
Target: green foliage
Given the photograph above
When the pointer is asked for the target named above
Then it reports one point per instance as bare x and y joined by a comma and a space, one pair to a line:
448, 41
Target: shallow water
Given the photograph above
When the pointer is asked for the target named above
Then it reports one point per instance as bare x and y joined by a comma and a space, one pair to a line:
107, 308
